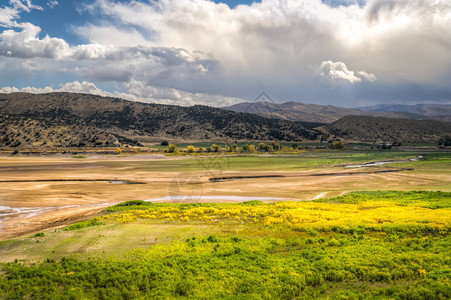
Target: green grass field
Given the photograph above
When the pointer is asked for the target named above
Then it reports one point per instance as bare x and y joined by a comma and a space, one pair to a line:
363, 245
287, 162
382, 241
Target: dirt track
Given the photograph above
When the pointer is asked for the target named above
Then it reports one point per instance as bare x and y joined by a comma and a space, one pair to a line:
376, 171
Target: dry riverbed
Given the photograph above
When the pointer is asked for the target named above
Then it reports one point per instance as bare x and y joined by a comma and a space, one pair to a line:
38, 193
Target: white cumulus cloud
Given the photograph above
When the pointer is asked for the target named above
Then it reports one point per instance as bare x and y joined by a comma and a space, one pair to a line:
26, 44
135, 91
83, 87
367, 76
338, 70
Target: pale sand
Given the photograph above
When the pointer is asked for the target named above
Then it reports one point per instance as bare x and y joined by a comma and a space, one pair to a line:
65, 190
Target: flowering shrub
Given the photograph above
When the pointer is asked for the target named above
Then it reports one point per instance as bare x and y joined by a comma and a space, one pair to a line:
384, 211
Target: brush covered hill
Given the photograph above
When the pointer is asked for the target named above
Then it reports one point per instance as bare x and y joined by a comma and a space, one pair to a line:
379, 129
134, 119
23, 131
297, 111
419, 109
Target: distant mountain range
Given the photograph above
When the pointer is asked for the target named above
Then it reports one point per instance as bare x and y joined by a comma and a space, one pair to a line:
296, 111
77, 120
437, 111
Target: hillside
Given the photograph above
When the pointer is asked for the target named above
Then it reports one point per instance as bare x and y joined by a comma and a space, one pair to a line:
378, 129
328, 114
22, 131
133, 119
293, 111
419, 109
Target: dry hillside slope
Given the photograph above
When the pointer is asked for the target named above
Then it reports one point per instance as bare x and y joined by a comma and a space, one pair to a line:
22, 131
377, 129
328, 113
153, 120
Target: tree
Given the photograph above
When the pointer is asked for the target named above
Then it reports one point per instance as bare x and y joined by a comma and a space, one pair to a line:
172, 149
336, 145
285, 149
262, 147
276, 146
251, 148
216, 148
164, 143
445, 141
118, 151
190, 149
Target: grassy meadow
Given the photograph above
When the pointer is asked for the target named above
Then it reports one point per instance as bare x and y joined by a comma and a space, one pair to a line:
361, 245
387, 236
304, 160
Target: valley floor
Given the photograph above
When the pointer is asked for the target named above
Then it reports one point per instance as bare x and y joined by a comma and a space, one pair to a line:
318, 224
46, 192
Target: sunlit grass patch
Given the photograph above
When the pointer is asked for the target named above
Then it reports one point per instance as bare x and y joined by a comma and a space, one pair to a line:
84, 224
377, 211
213, 267
425, 199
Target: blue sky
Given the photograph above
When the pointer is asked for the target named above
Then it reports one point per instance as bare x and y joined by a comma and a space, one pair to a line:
338, 52
235, 3
59, 20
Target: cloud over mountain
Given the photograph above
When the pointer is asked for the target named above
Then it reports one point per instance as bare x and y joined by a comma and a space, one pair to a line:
338, 70
382, 47
136, 91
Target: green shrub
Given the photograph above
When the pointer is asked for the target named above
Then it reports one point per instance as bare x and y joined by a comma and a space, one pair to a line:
312, 232
212, 239
134, 202
84, 224
252, 202
184, 287
132, 205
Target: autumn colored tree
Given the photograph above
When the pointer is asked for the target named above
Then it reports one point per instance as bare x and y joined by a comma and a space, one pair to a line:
190, 149
172, 149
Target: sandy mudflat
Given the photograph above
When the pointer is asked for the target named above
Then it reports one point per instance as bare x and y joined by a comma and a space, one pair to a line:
37, 193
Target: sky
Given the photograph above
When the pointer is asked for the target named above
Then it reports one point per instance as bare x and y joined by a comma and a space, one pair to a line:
348, 53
